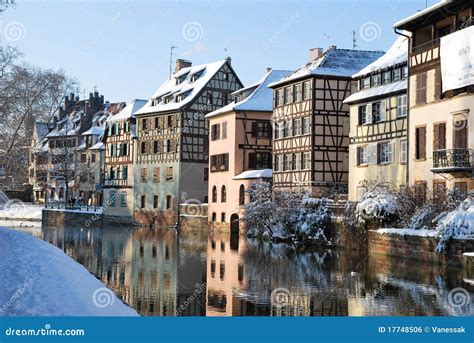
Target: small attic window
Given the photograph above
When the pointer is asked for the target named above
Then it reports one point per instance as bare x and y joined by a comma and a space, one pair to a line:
196, 75
182, 96
180, 79
168, 99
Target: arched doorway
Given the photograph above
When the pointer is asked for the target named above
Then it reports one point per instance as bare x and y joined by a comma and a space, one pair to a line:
234, 232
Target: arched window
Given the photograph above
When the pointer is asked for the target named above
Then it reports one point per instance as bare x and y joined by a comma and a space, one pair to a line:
241, 195
223, 194
214, 194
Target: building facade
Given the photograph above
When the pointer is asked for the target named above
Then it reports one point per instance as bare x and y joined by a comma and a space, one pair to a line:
240, 149
38, 171
120, 143
172, 153
311, 122
378, 123
441, 99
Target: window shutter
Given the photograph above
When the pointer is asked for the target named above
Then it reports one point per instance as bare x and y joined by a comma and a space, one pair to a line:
436, 136
355, 156
392, 151
383, 110
252, 160
368, 114
372, 153
378, 153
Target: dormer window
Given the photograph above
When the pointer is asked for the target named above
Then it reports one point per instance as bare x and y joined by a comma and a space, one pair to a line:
196, 75
365, 83
168, 99
397, 74
180, 79
386, 77
182, 96
376, 80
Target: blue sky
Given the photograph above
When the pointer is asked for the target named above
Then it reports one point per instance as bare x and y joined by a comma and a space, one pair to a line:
122, 47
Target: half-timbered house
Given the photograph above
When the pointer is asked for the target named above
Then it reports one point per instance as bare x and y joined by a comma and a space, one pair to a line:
120, 142
378, 122
441, 99
172, 154
240, 149
311, 122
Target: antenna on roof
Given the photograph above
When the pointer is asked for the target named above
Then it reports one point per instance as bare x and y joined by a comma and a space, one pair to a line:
171, 58
354, 40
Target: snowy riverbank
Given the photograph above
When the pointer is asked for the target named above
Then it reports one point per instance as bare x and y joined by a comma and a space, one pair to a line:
13, 210
38, 279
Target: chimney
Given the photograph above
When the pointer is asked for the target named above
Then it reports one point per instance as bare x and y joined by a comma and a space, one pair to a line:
315, 53
228, 60
332, 47
180, 64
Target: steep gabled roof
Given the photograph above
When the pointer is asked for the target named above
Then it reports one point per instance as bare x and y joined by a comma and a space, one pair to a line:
128, 111
420, 14
260, 98
187, 87
397, 54
334, 62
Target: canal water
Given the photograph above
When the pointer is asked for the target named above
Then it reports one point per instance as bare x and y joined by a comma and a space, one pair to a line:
195, 273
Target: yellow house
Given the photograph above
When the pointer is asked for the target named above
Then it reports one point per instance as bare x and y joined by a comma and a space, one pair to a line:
441, 98
378, 122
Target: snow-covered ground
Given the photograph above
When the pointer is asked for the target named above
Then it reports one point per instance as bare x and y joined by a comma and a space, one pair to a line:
38, 279
17, 210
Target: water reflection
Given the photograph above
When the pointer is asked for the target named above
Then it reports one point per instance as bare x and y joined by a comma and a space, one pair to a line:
192, 273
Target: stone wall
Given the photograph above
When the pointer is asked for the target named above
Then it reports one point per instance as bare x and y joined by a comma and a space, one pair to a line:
61, 217
418, 248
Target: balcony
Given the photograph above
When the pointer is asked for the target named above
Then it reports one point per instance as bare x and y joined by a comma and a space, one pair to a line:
425, 46
452, 160
116, 183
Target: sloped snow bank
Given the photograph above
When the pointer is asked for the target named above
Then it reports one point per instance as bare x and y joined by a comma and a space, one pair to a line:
17, 210
38, 279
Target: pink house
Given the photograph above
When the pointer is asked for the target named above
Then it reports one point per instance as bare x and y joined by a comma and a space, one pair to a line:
240, 149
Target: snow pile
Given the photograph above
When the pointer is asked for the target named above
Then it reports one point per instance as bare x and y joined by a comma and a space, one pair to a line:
38, 279
379, 204
457, 224
291, 217
409, 232
17, 210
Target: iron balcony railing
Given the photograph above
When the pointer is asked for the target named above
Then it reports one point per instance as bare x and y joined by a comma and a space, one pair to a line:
116, 182
453, 159
426, 46
55, 205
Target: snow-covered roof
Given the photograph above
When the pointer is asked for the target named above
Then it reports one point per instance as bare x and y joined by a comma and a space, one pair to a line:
186, 87
334, 62
422, 13
128, 111
68, 126
42, 129
373, 92
95, 130
97, 146
254, 174
397, 54
260, 99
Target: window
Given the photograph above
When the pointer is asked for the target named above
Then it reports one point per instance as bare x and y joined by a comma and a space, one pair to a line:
461, 187
439, 136
241, 195
223, 194
405, 72
305, 125
385, 153
214, 217
219, 163
460, 134
224, 130
210, 98
123, 199
296, 161
403, 151
378, 112
286, 129
297, 92
261, 129
376, 81
386, 77
223, 217
288, 95
278, 97
306, 90
156, 174
420, 191
420, 143
277, 163
169, 202
438, 84
143, 175
362, 155
83, 158
296, 127
124, 172
143, 148
169, 174
439, 191
306, 161
362, 114
155, 201
365, 83
215, 132
156, 147
401, 106
286, 162
169, 120
260, 160
111, 198
420, 89
144, 124
143, 201
397, 74
277, 130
